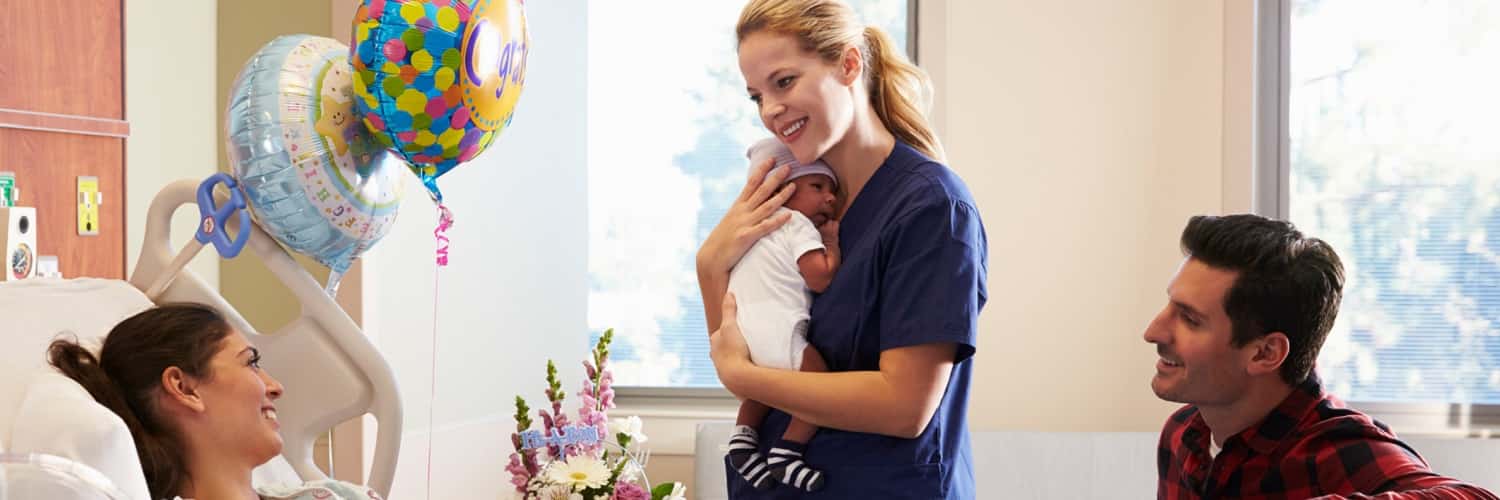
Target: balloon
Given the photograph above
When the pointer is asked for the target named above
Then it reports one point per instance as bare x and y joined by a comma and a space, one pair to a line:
314, 178
437, 80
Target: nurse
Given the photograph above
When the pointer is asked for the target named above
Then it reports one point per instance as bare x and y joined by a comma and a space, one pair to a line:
899, 322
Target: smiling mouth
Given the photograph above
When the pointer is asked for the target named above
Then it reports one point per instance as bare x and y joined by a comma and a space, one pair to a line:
793, 128
269, 414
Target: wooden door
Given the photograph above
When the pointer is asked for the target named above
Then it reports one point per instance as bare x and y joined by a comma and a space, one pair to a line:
62, 116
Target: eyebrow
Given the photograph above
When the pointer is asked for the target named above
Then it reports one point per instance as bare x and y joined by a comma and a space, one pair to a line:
1190, 309
769, 78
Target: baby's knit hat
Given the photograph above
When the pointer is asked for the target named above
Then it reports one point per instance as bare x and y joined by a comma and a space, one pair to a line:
768, 147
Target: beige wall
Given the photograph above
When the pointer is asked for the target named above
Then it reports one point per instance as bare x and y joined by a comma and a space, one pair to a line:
172, 109
1239, 105
1088, 130
243, 27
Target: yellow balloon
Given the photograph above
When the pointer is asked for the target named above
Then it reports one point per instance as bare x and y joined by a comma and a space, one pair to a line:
495, 46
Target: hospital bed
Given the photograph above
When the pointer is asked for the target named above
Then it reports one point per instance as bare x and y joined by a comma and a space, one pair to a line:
55, 442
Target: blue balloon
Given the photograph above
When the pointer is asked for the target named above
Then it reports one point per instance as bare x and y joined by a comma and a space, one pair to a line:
315, 180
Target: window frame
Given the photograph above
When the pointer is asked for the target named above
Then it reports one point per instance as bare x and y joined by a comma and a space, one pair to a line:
1270, 196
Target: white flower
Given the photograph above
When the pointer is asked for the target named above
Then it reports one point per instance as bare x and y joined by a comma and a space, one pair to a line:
629, 426
580, 471
679, 492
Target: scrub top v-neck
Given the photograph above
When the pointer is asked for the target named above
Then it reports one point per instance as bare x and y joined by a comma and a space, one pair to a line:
913, 273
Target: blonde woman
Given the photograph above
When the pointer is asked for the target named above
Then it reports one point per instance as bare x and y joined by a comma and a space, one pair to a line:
898, 324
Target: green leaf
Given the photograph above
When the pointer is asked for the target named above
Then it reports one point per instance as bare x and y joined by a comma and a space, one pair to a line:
523, 419
554, 384
661, 491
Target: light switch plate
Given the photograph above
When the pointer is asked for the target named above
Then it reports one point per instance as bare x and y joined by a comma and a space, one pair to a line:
88, 205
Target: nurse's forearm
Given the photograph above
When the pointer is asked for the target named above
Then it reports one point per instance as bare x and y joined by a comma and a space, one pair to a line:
898, 400
713, 286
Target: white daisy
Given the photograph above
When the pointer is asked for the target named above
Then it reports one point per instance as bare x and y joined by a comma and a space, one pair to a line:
582, 472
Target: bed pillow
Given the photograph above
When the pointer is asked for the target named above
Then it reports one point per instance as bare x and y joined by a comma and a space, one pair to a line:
53, 478
35, 311
58, 417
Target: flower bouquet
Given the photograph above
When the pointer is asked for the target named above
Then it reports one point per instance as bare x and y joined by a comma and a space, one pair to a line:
594, 458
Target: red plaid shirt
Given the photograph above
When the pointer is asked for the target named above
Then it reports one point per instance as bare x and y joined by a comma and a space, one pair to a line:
1309, 446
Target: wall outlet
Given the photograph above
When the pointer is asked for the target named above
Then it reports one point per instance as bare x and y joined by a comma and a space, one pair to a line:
89, 199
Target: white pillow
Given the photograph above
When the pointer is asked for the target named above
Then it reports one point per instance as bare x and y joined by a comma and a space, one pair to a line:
53, 478
35, 311
58, 417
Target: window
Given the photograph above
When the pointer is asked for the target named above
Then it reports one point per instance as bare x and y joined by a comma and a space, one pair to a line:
1393, 156
668, 124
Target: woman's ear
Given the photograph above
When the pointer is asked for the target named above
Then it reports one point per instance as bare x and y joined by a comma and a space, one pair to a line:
181, 388
851, 65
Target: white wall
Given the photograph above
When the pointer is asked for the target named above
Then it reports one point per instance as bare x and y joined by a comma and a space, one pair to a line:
171, 107
1088, 130
514, 292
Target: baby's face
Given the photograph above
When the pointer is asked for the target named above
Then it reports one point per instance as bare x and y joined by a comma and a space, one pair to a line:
815, 197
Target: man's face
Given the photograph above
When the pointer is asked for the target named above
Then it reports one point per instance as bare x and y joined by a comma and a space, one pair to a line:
1198, 363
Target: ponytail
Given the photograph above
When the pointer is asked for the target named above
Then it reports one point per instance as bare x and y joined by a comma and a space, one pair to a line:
126, 378
900, 92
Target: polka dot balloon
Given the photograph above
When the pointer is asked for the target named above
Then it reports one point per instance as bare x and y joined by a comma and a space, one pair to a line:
437, 80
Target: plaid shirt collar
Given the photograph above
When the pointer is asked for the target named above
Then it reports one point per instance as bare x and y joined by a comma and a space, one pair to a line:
1271, 432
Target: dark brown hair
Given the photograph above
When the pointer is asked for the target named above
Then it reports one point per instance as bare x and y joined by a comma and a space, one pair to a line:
1287, 282
126, 377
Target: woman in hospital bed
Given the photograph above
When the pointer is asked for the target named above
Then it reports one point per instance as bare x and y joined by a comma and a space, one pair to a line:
200, 409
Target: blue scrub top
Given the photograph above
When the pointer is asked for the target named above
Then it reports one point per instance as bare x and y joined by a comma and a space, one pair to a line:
913, 272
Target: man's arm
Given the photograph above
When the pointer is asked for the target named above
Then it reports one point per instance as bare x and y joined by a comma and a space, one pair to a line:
1390, 471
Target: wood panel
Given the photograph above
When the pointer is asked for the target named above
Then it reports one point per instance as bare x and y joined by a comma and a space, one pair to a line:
47, 167
63, 56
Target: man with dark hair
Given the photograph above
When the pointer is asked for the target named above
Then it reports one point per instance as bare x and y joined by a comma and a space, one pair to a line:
1245, 317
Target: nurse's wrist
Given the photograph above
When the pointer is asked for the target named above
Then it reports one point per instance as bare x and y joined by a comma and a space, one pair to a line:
733, 375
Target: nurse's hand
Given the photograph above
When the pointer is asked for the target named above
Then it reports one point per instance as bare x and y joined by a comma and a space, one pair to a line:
727, 347
748, 218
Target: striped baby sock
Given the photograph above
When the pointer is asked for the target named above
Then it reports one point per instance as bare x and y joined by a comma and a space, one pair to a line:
745, 457
787, 466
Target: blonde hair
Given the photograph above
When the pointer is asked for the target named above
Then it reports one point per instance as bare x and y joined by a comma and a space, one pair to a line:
900, 92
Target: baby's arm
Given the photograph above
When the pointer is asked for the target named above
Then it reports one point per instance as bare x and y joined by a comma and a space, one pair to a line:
818, 266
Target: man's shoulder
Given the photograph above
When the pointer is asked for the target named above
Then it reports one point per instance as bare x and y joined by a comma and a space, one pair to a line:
1332, 428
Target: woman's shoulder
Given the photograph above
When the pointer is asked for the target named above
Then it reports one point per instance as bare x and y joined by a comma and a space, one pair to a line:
924, 183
